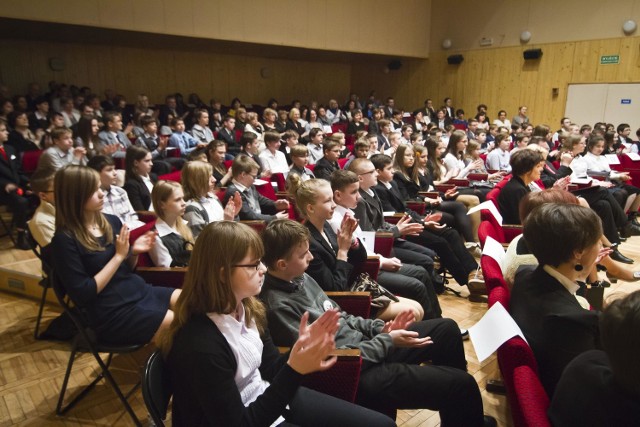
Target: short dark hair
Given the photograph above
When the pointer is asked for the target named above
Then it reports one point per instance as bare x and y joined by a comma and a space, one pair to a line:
314, 132
380, 161
271, 136
594, 140
523, 161
570, 227
247, 138
100, 162
622, 126
147, 120
57, 133
40, 180
341, 178
280, 238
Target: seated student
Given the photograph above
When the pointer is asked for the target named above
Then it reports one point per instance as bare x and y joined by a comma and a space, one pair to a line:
223, 366
182, 140
566, 241
356, 122
316, 137
601, 388
203, 206
392, 375
290, 139
200, 130
138, 179
300, 159
39, 119
98, 264
598, 165
42, 225
157, 146
410, 281
405, 134
472, 154
14, 187
113, 136
249, 147
116, 200
499, 158
175, 241
519, 142
21, 138
254, 126
360, 150
272, 158
62, 152
407, 178
216, 152
228, 135
335, 258
526, 167
518, 253
329, 162
429, 236
254, 205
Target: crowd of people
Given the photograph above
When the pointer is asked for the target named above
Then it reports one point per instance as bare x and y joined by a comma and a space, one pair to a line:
103, 169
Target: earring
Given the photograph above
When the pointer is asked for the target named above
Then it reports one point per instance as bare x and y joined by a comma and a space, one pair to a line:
578, 267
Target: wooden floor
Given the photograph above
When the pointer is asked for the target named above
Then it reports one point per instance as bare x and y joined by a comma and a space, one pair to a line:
31, 371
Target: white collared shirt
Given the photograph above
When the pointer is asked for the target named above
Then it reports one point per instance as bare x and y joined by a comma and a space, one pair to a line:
571, 286
246, 346
275, 162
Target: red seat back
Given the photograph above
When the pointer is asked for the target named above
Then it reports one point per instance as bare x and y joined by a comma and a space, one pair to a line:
30, 161
143, 259
172, 176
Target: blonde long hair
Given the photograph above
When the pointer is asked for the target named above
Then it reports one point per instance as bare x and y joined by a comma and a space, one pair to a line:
207, 284
74, 186
305, 193
195, 179
162, 191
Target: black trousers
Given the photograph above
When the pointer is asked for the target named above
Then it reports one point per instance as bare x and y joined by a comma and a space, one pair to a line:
453, 255
417, 254
413, 282
608, 209
18, 205
461, 220
445, 386
314, 409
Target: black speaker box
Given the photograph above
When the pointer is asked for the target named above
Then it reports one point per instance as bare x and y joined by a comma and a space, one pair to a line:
532, 53
455, 59
394, 65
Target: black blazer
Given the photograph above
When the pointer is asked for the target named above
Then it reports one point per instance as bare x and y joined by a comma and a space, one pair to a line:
229, 138
250, 198
392, 201
370, 214
354, 127
331, 273
509, 200
202, 368
138, 193
295, 126
10, 170
555, 325
407, 188
550, 174
20, 143
324, 168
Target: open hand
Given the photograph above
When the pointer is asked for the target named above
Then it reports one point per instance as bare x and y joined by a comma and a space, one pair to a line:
402, 321
122, 242
144, 243
310, 351
404, 338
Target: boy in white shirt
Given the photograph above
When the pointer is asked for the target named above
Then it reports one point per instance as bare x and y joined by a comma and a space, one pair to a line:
272, 158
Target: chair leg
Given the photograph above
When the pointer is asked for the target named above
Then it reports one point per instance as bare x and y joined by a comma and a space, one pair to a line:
60, 410
8, 230
105, 372
45, 289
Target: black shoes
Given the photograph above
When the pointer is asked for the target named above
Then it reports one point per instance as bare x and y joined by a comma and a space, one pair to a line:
489, 421
630, 230
617, 256
22, 242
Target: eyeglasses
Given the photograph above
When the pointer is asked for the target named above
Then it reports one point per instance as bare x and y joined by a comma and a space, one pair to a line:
256, 266
367, 173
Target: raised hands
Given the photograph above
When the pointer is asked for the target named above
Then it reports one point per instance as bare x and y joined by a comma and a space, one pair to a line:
233, 207
315, 342
144, 243
402, 321
408, 228
122, 242
345, 233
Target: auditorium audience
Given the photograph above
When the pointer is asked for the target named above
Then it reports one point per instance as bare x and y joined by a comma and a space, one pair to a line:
139, 179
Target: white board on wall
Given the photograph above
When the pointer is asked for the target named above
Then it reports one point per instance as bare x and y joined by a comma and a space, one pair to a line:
604, 102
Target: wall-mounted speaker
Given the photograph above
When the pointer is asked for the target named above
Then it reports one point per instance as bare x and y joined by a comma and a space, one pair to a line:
394, 65
532, 53
455, 59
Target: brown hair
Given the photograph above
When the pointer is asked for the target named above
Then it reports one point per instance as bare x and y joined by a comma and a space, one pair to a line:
552, 195
398, 163
341, 178
74, 186
243, 163
207, 284
280, 238
162, 191
195, 179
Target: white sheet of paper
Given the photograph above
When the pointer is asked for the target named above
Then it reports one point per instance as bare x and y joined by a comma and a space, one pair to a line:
369, 240
633, 156
327, 129
258, 182
494, 329
494, 250
612, 159
388, 213
488, 205
580, 180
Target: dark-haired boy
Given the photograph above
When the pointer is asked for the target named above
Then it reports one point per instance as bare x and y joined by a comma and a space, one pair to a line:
329, 162
392, 375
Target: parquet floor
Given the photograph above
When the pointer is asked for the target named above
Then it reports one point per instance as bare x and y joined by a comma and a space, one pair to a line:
31, 371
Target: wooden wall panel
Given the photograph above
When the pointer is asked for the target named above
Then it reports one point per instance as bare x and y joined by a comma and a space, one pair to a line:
131, 71
502, 79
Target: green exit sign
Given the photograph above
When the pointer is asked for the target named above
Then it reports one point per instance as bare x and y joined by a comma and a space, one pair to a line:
609, 59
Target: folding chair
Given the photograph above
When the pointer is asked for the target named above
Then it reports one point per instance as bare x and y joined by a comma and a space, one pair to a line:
156, 388
42, 254
86, 341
